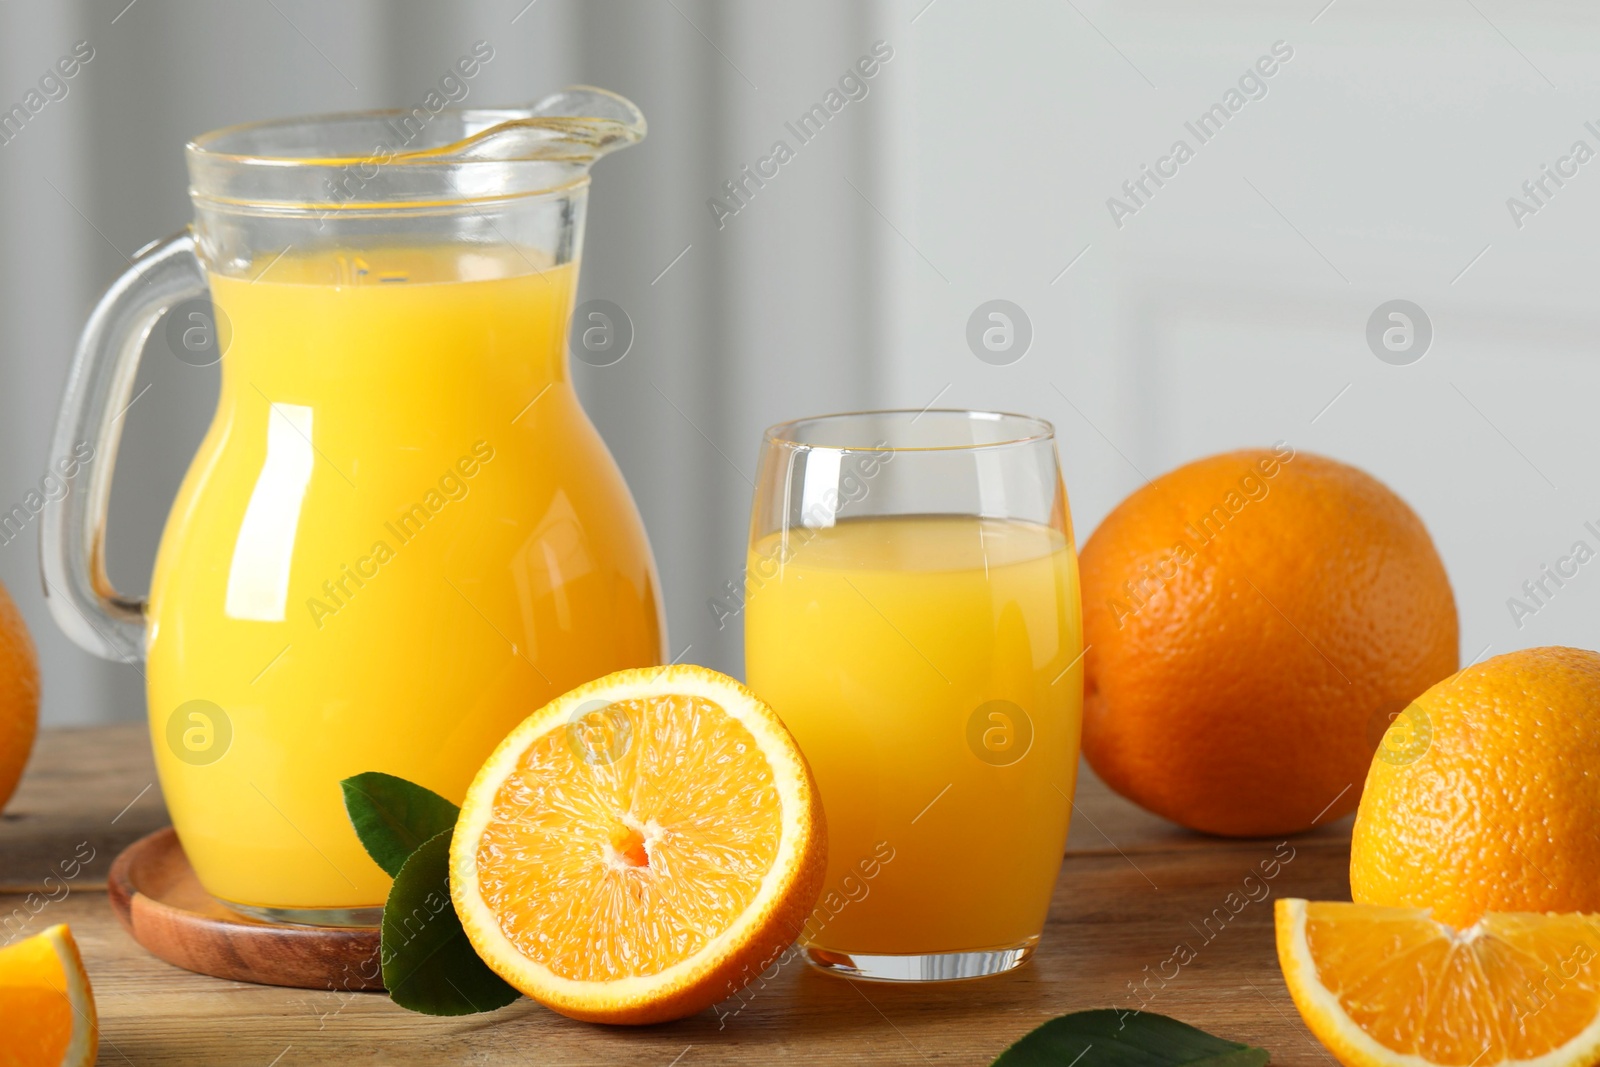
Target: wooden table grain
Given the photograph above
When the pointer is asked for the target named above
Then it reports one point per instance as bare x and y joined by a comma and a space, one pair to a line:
1145, 915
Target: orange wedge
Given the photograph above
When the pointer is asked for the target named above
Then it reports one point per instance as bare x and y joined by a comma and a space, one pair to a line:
1391, 987
641, 848
47, 1015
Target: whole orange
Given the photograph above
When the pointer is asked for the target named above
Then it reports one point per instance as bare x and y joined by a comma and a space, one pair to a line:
1253, 622
1485, 795
19, 696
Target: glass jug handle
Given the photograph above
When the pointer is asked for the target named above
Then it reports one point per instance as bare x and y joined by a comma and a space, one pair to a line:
72, 533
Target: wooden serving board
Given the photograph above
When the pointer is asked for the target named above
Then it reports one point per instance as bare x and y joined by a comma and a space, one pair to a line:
1132, 888
161, 903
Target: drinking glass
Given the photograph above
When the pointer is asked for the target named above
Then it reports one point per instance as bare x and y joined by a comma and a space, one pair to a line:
912, 613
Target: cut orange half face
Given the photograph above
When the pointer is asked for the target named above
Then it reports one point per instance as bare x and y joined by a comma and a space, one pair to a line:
1391, 987
47, 1016
641, 848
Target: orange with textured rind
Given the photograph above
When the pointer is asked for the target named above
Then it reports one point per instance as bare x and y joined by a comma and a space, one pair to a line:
1239, 687
47, 1013
640, 848
19, 696
1392, 987
1500, 808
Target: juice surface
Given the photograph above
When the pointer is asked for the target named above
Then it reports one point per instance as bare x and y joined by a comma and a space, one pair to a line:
928, 667
399, 538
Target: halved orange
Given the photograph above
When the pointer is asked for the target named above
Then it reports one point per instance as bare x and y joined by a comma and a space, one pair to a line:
1392, 987
640, 848
47, 1015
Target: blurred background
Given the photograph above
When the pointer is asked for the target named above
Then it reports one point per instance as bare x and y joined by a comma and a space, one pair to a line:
1227, 305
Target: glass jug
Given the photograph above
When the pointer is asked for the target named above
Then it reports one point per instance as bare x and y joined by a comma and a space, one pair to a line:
401, 534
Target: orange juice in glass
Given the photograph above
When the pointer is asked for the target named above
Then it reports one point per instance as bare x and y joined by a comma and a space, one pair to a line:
401, 534
912, 613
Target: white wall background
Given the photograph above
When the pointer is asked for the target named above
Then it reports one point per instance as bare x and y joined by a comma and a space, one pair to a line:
1230, 310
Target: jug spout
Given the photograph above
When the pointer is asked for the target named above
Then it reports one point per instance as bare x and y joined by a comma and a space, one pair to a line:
579, 124
406, 159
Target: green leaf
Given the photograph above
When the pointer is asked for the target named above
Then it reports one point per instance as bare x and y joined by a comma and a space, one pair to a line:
393, 817
1107, 1037
429, 966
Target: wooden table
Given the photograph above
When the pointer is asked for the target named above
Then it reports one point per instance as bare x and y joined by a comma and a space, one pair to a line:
1132, 889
